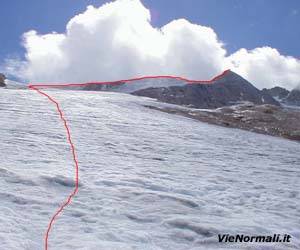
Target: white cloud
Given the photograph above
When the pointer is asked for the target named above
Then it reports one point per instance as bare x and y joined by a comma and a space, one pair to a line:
117, 41
266, 67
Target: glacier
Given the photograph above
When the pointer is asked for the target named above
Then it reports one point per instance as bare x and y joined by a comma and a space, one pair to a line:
148, 180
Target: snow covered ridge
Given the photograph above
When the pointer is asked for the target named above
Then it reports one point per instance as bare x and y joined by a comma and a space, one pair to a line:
132, 86
223, 90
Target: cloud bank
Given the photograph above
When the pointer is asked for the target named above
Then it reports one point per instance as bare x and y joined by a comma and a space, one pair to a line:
117, 41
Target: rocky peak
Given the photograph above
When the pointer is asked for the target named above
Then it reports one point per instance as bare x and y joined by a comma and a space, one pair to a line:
278, 92
2, 80
232, 77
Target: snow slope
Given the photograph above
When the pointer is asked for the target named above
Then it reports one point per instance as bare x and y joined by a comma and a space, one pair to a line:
148, 83
148, 180
15, 85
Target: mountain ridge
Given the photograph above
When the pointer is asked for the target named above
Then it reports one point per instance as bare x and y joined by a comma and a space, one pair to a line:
224, 91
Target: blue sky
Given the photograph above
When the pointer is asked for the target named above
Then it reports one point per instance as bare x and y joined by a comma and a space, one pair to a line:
258, 39
238, 23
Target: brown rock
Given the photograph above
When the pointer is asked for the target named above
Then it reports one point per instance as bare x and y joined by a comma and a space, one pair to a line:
265, 119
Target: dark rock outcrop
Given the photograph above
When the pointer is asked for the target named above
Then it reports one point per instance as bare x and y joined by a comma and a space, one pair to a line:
2, 80
293, 98
277, 92
226, 90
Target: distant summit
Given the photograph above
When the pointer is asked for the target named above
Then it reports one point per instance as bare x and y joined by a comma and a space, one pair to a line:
285, 96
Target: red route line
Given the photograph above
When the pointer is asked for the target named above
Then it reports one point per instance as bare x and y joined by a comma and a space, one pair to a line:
37, 87
57, 85
69, 199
